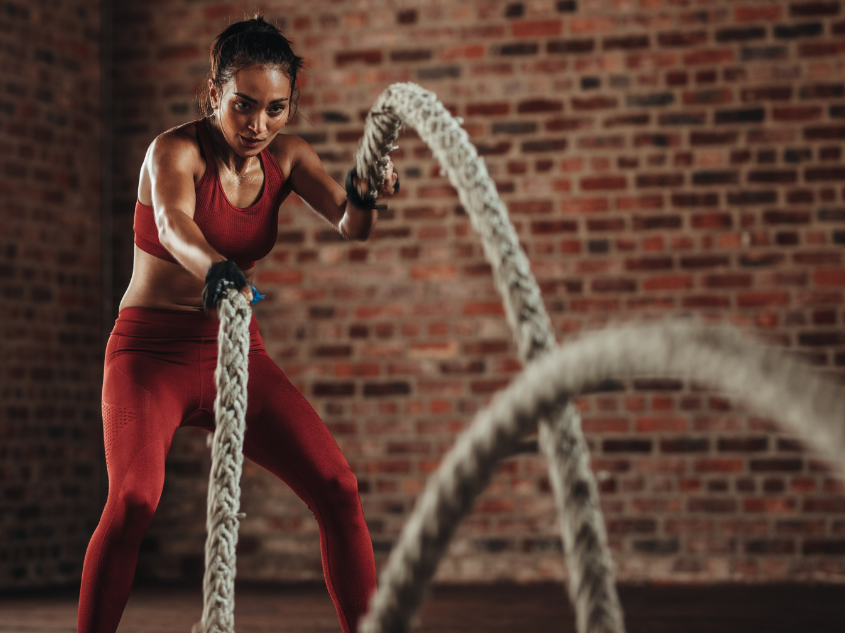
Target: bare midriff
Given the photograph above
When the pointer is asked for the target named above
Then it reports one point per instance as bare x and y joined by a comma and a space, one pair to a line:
160, 284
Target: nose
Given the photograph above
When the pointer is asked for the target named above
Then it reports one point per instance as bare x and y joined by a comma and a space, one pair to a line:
258, 126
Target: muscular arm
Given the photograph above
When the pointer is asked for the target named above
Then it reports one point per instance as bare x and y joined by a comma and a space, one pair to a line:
171, 169
311, 183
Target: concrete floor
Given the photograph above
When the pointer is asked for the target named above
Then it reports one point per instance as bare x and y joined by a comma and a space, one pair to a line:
460, 609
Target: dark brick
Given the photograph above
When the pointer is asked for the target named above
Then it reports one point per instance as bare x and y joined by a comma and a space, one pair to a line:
814, 9
697, 504
828, 547
713, 138
776, 176
657, 546
334, 389
660, 180
786, 217
831, 215
779, 465
631, 526
765, 53
514, 10
367, 57
416, 55
740, 34
791, 31
824, 173
518, 49
749, 198
515, 127
547, 145
743, 444
656, 99
770, 546
682, 118
539, 105
822, 91
649, 222
556, 226
816, 339
408, 16
685, 445
767, 93
704, 261
626, 42
649, 263
695, 199
678, 38
439, 72
398, 388
715, 178
745, 115
570, 46
626, 446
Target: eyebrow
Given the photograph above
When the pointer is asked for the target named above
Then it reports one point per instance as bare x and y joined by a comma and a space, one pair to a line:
251, 100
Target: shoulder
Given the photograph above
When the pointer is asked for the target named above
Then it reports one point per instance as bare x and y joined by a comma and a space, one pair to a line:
289, 150
177, 147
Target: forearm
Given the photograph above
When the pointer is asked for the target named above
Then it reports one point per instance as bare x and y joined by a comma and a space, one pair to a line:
357, 224
180, 235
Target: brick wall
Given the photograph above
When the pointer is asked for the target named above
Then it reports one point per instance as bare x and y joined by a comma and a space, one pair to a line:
657, 158
50, 355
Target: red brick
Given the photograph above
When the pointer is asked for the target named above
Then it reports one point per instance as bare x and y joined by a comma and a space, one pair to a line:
758, 13
537, 28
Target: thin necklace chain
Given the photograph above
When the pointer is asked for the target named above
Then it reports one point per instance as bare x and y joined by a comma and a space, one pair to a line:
232, 169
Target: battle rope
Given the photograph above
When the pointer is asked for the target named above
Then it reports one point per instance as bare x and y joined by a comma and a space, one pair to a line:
224, 486
764, 377
591, 587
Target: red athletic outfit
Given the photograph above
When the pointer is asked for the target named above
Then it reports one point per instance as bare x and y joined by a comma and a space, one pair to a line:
159, 375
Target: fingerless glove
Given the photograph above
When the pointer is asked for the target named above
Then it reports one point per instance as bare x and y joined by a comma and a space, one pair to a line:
219, 277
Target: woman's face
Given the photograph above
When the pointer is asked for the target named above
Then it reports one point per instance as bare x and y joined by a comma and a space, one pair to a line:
252, 107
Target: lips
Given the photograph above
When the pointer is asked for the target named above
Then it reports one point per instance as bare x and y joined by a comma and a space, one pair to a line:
251, 141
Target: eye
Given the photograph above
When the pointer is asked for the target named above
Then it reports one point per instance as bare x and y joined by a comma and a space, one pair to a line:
242, 105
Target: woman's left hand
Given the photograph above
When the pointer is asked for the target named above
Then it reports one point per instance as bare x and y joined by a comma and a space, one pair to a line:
387, 190
390, 179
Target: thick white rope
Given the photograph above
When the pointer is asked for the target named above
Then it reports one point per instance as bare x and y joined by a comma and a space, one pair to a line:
765, 378
224, 486
591, 586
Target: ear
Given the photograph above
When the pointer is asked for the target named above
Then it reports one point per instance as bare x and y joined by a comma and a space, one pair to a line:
213, 95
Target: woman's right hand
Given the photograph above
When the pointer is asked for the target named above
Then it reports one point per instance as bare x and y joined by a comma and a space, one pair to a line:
218, 278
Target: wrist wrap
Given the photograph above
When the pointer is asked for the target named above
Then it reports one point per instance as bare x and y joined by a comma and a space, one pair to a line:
218, 279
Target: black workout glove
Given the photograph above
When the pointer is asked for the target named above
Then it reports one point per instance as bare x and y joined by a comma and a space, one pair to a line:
219, 277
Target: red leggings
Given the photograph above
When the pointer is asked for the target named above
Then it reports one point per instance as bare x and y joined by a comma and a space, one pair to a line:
159, 375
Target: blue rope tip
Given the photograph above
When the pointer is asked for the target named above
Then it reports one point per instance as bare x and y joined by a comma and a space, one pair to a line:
256, 296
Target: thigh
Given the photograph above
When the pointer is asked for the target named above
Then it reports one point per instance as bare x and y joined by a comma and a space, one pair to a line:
141, 408
286, 436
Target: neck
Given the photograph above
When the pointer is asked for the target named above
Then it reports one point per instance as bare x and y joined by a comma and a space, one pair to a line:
232, 160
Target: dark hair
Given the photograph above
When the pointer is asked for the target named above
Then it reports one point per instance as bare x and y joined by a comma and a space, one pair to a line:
247, 43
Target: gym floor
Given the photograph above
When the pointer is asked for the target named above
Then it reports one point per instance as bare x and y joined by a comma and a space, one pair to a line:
460, 609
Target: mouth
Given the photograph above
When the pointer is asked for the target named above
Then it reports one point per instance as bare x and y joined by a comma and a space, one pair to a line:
251, 142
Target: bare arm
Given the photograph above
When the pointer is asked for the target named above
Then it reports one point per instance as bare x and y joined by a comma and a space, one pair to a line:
311, 182
174, 200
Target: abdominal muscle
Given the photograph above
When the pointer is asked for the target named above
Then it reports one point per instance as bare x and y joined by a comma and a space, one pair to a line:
160, 284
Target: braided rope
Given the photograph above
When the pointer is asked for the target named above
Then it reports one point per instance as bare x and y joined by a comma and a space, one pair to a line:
224, 488
591, 587
764, 377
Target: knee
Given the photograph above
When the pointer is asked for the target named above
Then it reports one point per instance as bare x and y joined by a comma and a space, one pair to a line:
138, 506
340, 489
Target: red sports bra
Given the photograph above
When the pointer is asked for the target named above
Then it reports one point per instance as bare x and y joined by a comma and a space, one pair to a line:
242, 235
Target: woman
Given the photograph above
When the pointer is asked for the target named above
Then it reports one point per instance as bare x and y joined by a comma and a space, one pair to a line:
207, 209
